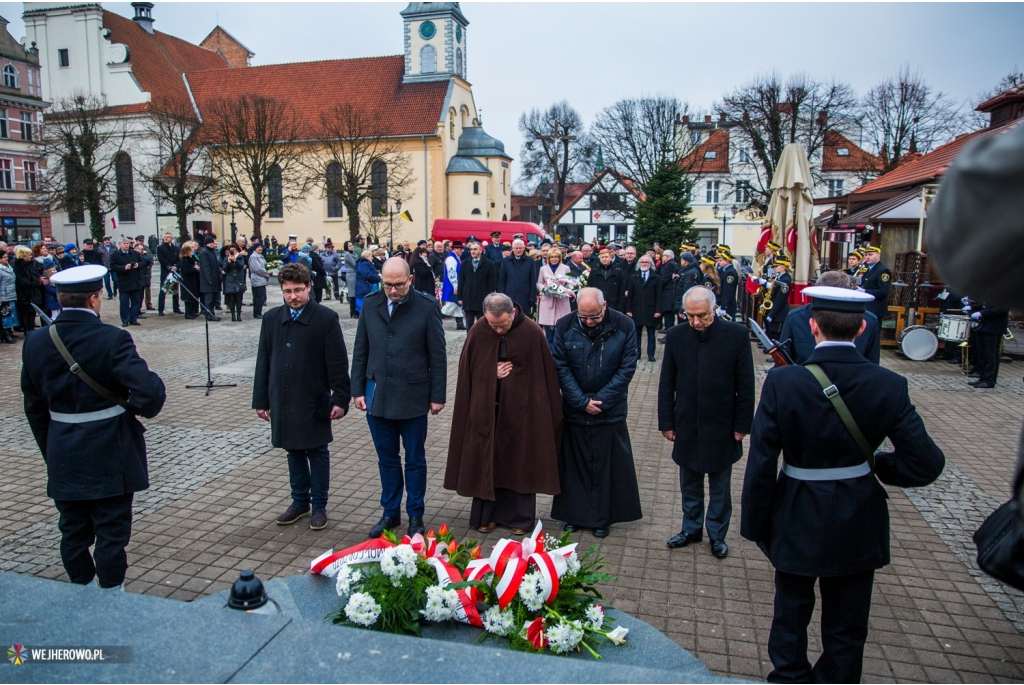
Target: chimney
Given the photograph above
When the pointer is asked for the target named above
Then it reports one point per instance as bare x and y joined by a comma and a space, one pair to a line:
144, 15
707, 118
686, 119
721, 116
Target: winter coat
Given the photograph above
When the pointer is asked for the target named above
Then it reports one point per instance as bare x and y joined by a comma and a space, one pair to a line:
318, 271
366, 278
423, 275
332, 262
234, 277
258, 275
551, 308
8, 287
351, 265
476, 284
128, 280
188, 267
595, 369
667, 296
209, 271
642, 302
517, 278
608, 281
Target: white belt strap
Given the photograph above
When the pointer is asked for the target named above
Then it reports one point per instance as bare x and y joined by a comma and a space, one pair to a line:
841, 473
88, 416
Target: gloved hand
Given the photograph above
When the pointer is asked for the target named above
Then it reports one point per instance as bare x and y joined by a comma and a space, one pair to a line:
761, 281
768, 319
964, 300
976, 316
966, 310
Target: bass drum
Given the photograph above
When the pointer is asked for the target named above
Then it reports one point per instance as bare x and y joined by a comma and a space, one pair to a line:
918, 343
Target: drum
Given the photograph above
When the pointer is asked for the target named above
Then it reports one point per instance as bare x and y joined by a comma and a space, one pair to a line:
954, 328
918, 343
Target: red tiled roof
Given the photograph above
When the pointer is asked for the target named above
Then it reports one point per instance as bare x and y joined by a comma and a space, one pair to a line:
373, 85
158, 60
626, 183
1013, 93
857, 160
927, 167
697, 162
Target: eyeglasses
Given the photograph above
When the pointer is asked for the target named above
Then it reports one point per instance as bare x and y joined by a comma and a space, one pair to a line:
394, 286
595, 317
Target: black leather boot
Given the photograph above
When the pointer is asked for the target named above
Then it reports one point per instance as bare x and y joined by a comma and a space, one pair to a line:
459, 326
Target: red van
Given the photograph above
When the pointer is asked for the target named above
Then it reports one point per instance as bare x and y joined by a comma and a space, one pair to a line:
460, 229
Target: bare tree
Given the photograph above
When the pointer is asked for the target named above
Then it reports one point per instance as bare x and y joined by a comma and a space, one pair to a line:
356, 164
82, 139
1013, 79
257, 152
903, 115
638, 135
178, 170
770, 114
556, 146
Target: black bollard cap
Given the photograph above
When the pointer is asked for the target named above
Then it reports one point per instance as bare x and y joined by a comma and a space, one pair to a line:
247, 593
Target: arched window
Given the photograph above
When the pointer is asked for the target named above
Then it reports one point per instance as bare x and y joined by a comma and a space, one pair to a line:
125, 187
458, 61
428, 59
275, 193
10, 77
334, 204
476, 187
451, 123
465, 116
475, 212
379, 188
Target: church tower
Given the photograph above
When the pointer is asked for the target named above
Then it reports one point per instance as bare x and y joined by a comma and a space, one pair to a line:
435, 41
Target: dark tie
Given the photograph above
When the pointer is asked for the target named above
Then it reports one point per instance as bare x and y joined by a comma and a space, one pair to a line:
645, 277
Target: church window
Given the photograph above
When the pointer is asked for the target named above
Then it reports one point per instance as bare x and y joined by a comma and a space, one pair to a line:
10, 77
428, 59
476, 187
458, 61
465, 116
125, 185
451, 123
275, 193
63, 58
335, 206
379, 188
475, 212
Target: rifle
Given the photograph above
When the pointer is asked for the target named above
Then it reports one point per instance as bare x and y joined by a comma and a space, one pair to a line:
772, 347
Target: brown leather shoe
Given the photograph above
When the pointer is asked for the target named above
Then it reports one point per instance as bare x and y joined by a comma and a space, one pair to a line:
488, 528
518, 531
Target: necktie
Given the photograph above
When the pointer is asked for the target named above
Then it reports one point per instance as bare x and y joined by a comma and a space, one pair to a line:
295, 315
645, 277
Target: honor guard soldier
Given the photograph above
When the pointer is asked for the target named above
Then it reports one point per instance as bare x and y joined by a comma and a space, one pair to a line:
779, 296
824, 519
772, 250
730, 280
84, 384
876, 281
854, 264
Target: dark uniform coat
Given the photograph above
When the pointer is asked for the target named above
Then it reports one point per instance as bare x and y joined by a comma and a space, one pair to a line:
476, 284
97, 459
780, 299
730, 281
642, 300
706, 394
796, 335
876, 282
301, 372
402, 353
832, 527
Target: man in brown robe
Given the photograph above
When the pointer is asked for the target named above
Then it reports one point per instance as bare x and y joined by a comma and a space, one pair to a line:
503, 448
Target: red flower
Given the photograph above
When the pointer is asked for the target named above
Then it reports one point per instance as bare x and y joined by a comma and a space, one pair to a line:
443, 530
453, 547
430, 535
535, 634
475, 552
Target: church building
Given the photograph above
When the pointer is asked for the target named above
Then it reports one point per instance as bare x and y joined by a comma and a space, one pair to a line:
422, 98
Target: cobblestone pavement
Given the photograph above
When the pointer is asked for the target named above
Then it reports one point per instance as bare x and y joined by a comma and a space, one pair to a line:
217, 485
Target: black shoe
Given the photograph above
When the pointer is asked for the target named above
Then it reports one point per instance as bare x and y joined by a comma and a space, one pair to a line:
719, 549
159, 313
459, 326
134, 323
318, 520
602, 532
233, 317
983, 385
974, 374
142, 315
568, 528
650, 359
662, 340
416, 526
684, 539
292, 514
257, 316
213, 318
124, 325
385, 523
177, 311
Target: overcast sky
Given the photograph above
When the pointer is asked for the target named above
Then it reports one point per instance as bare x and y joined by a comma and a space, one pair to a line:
524, 55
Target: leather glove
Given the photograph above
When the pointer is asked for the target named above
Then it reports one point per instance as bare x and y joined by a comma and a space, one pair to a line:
976, 316
966, 310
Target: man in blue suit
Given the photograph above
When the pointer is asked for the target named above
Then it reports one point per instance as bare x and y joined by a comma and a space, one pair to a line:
796, 331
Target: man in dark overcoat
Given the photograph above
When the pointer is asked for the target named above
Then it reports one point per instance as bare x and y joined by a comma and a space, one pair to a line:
478, 278
643, 292
209, 276
606, 278
503, 447
825, 519
705, 406
669, 276
517, 277
399, 374
92, 444
301, 385
595, 354
168, 255
128, 267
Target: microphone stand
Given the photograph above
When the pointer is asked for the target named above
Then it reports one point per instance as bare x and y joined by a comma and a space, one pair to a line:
209, 385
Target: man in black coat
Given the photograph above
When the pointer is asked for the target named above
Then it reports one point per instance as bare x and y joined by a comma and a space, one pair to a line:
301, 385
642, 292
876, 282
595, 355
128, 267
167, 255
93, 446
478, 278
399, 374
705, 406
991, 322
606, 278
517, 277
825, 517
796, 331
209, 276
669, 275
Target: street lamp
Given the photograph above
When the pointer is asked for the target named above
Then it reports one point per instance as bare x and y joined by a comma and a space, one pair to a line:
224, 207
391, 226
726, 215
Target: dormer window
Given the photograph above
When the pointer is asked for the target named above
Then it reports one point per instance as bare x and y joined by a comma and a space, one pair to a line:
710, 154
843, 152
10, 77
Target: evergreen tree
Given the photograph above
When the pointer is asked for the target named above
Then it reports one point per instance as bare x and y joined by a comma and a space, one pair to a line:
664, 217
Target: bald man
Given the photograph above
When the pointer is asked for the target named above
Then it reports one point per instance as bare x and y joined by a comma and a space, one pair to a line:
399, 373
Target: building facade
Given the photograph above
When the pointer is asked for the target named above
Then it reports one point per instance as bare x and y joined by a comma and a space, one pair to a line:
603, 212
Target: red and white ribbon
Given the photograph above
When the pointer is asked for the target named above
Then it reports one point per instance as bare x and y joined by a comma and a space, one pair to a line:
330, 562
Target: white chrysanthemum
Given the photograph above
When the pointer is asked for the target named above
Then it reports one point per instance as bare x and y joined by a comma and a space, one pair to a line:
440, 605
362, 609
551, 543
498, 622
530, 591
398, 563
573, 563
564, 636
406, 554
595, 617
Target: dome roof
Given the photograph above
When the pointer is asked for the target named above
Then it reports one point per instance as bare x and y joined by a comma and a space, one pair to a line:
466, 165
474, 142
